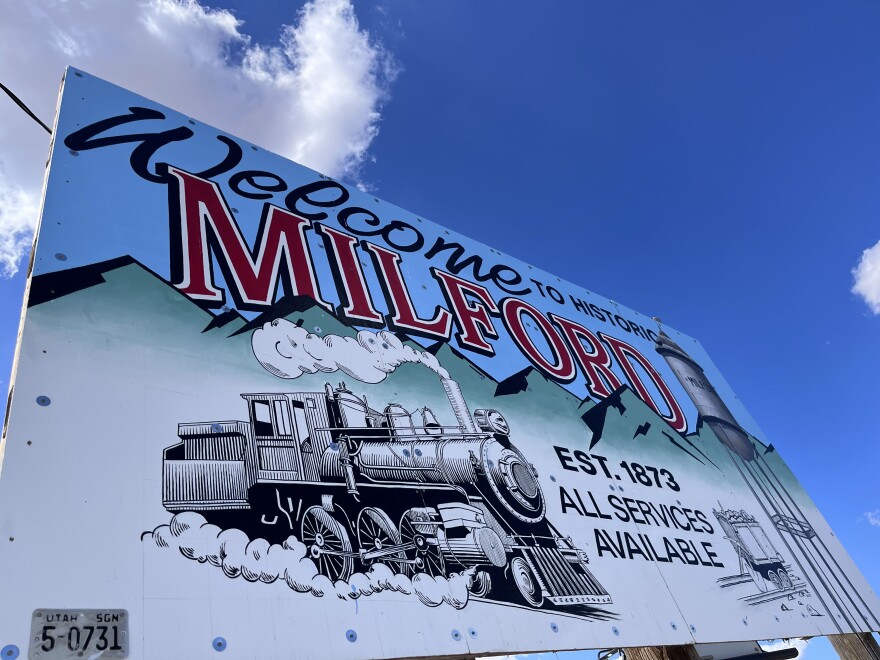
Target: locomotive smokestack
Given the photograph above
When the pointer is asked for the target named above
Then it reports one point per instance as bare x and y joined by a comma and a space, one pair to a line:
710, 406
459, 405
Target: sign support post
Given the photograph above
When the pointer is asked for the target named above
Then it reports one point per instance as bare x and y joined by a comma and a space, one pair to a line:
855, 646
688, 652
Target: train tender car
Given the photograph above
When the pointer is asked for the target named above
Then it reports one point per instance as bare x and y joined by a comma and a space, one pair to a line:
358, 485
757, 555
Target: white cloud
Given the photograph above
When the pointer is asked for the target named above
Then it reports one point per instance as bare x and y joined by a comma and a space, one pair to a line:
867, 278
18, 213
314, 96
779, 644
873, 517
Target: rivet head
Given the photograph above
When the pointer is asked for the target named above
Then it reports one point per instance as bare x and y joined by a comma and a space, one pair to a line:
351, 635
61, 256
552, 478
615, 630
554, 627
219, 644
73, 152
745, 622
9, 652
317, 328
43, 400
693, 628
456, 635
673, 625
472, 633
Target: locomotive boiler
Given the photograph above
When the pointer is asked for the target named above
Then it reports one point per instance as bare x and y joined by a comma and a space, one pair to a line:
358, 486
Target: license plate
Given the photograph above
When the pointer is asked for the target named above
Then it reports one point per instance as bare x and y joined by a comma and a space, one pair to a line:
78, 634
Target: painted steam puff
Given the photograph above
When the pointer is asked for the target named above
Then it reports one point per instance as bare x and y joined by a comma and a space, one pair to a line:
288, 351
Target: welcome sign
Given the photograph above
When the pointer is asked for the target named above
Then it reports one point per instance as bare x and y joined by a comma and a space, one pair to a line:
261, 413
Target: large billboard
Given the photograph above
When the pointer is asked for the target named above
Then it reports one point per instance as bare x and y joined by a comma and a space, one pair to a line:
262, 413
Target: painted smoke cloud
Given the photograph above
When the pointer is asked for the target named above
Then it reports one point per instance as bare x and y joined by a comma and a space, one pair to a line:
259, 561
289, 351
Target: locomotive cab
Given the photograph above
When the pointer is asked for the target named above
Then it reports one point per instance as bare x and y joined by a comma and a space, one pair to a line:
283, 437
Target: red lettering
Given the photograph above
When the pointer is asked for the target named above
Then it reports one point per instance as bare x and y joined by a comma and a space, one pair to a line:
404, 315
562, 367
625, 354
595, 361
206, 225
471, 314
349, 276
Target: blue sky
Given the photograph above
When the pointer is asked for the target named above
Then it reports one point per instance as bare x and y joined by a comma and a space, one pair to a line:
714, 164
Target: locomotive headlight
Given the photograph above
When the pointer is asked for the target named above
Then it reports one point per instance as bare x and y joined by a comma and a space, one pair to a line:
512, 481
491, 421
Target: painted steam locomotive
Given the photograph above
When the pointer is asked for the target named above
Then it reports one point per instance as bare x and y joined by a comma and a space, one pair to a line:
358, 485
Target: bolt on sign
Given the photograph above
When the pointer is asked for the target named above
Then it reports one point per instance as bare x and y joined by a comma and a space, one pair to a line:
259, 412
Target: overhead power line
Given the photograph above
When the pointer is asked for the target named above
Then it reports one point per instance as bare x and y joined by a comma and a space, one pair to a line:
21, 105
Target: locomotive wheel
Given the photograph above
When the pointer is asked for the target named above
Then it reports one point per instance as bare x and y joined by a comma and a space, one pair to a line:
376, 531
481, 584
776, 580
323, 535
757, 578
785, 578
424, 557
525, 580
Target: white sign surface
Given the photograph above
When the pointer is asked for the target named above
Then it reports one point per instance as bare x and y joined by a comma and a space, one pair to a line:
268, 415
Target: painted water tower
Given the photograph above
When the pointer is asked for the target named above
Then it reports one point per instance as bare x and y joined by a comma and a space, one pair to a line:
707, 401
